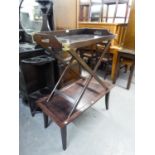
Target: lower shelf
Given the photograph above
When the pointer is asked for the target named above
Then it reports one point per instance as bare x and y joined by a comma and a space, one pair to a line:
59, 107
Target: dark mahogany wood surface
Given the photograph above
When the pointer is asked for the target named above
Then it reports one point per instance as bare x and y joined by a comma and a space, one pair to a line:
59, 107
75, 38
66, 104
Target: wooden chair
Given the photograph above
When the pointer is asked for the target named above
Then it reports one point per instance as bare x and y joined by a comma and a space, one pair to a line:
92, 54
125, 57
125, 54
106, 61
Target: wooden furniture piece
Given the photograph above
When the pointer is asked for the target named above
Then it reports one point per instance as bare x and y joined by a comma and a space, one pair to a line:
37, 78
28, 50
92, 54
129, 55
128, 42
116, 3
66, 104
115, 50
118, 29
45, 72
85, 10
42, 20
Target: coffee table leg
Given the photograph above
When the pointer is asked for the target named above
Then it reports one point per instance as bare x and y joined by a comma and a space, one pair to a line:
64, 137
45, 120
107, 100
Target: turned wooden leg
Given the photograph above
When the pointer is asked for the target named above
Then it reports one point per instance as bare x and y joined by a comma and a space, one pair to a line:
107, 100
45, 120
64, 137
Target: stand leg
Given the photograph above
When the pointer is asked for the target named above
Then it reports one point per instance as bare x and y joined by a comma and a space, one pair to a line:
87, 68
106, 70
116, 69
92, 74
130, 76
32, 108
45, 120
107, 100
67, 67
64, 137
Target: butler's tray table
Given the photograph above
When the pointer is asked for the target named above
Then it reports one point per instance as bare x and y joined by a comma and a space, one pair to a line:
66, 104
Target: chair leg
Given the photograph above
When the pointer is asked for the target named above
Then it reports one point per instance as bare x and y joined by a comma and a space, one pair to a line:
107, 100
130, 76
116, 70
64, 137
32, 109
45, 120
125, 69
107, 70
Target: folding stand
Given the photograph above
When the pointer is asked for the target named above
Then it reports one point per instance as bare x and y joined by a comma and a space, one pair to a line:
66, 104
